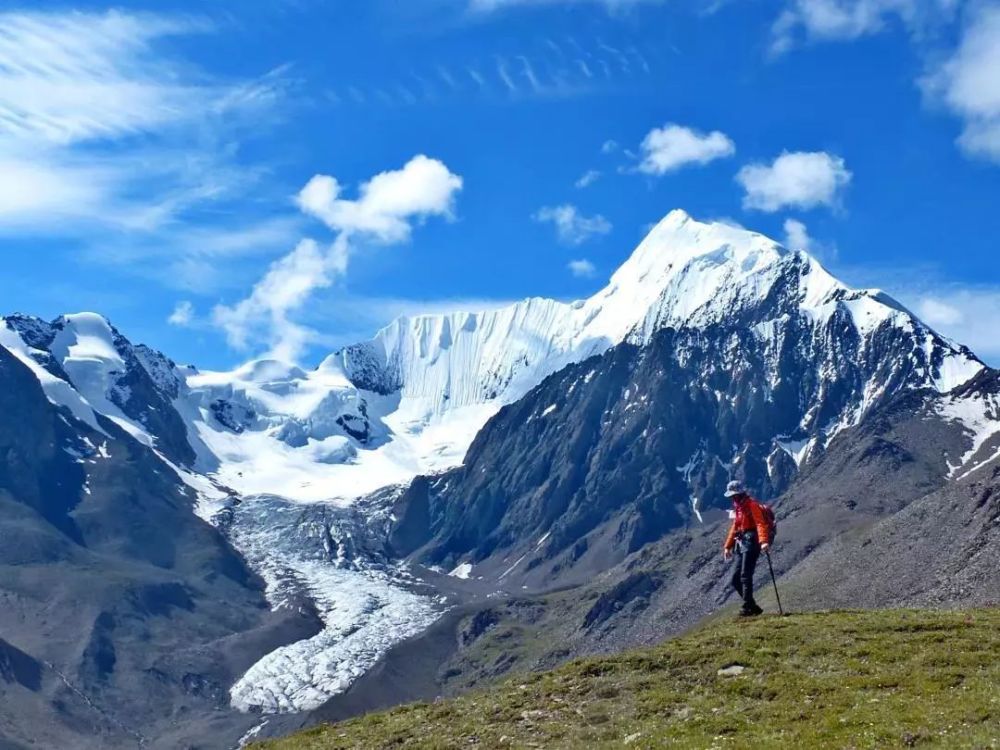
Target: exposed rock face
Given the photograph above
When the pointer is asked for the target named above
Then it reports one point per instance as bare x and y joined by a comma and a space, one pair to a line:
113, 591
611, 454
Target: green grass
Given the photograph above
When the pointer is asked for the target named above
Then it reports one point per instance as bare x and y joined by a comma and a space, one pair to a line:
876, 679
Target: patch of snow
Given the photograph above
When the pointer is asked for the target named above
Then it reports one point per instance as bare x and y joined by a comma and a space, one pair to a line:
548, 410
797, 449
511, 568
981, 418
462, 571
694, 507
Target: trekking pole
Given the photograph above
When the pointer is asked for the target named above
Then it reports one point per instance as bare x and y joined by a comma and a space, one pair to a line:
774, 582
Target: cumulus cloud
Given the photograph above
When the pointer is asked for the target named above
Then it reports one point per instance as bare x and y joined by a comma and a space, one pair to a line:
582, 268
587, 178
800, 179
609, 147
386, 207
572, 227
387, 203
968, 83
183, 315
673, 146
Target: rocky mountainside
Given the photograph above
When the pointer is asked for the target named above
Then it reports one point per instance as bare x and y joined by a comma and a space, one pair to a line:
125, 618
609, 454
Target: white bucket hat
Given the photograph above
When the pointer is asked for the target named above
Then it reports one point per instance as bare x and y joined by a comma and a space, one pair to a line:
735, 488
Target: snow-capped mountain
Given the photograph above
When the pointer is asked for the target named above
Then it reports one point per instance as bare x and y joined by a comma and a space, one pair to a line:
411, 400
713, 351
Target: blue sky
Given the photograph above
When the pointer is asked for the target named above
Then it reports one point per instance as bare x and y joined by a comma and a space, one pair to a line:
225, 180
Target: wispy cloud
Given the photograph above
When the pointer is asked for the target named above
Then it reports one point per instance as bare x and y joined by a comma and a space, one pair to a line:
70, 77
183, 314
490, 6
503, 73
101, 128
572, 227
538, 68
587, 178
582, 268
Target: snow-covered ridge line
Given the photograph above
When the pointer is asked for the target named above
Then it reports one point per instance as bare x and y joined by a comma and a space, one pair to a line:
411, 399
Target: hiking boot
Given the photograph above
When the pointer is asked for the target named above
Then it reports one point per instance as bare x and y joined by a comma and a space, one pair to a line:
752, 611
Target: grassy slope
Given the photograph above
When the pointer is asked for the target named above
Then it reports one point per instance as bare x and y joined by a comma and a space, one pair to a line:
843, 679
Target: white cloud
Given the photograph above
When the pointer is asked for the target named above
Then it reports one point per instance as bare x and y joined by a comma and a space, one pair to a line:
939, 313
101, 127
587, 178
609, 147
582, 268
572, 227
183, 315
288, 284
968, 314
842, 20
673, 146
968, 83
801, 180
386, 207
50, 191
797, 236
387, 203
67, 77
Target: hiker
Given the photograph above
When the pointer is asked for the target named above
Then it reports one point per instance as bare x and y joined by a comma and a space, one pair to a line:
749, 535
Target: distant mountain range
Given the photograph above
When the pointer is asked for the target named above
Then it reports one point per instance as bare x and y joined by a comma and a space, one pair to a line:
188, 550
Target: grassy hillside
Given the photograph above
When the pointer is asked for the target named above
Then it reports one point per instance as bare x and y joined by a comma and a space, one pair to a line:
872, 679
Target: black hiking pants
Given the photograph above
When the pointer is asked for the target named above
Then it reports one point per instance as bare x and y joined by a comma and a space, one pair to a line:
747, 552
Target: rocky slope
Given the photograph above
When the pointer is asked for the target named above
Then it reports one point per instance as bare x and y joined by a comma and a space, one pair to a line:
125, 617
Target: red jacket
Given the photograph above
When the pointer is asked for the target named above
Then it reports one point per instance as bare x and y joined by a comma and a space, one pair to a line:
749, 515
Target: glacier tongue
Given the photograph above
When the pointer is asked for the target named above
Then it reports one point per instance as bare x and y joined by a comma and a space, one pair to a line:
330, 557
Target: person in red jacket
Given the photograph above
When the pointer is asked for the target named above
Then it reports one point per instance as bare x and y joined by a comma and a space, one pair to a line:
748, 536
